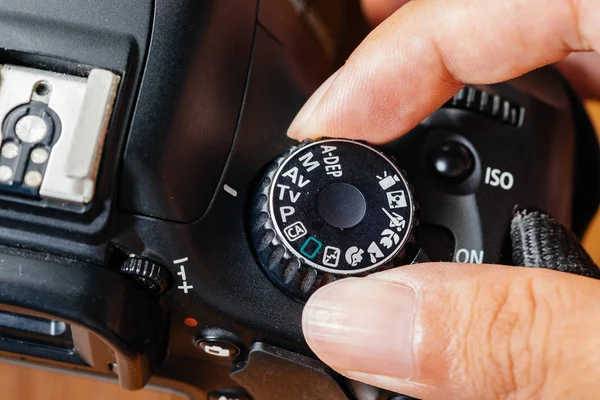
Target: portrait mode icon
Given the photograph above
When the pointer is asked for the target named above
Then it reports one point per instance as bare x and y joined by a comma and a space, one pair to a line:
354, 256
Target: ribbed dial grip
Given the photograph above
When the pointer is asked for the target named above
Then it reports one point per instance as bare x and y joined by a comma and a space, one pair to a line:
152, 276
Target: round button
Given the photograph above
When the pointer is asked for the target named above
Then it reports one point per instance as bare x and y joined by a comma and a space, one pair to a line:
218, 348
452, 161
342, 205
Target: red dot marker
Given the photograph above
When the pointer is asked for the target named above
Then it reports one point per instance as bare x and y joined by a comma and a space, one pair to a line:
191, 322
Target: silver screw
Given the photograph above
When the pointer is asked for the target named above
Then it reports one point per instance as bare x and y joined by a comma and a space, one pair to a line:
10, 150
31, 129
39, 155
6, 173
33, 179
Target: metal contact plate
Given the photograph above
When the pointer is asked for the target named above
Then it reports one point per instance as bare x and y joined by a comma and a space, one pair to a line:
53, 131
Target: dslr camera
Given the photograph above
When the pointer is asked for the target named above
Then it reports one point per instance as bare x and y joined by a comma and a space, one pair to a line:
158, 227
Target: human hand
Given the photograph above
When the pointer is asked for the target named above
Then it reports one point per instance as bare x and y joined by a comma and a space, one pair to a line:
582, 69
455, 331
421, 55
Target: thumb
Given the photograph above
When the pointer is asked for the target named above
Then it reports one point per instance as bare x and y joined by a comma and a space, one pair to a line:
460, 331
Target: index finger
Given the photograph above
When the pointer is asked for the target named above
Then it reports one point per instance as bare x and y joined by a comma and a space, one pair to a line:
414, 61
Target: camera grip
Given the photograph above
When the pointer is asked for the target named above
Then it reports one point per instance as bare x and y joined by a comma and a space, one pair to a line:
114, 325
539, 241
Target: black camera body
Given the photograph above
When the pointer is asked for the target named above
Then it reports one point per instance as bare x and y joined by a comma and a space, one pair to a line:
136, 141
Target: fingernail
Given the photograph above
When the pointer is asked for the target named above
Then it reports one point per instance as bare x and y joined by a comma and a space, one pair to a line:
296, 128
362, 326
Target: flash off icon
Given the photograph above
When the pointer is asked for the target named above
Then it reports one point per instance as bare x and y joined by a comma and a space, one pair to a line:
331, 258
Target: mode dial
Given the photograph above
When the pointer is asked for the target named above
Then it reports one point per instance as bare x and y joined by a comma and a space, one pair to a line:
331, 208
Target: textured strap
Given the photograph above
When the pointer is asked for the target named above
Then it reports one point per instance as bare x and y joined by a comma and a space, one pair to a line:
539, 241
